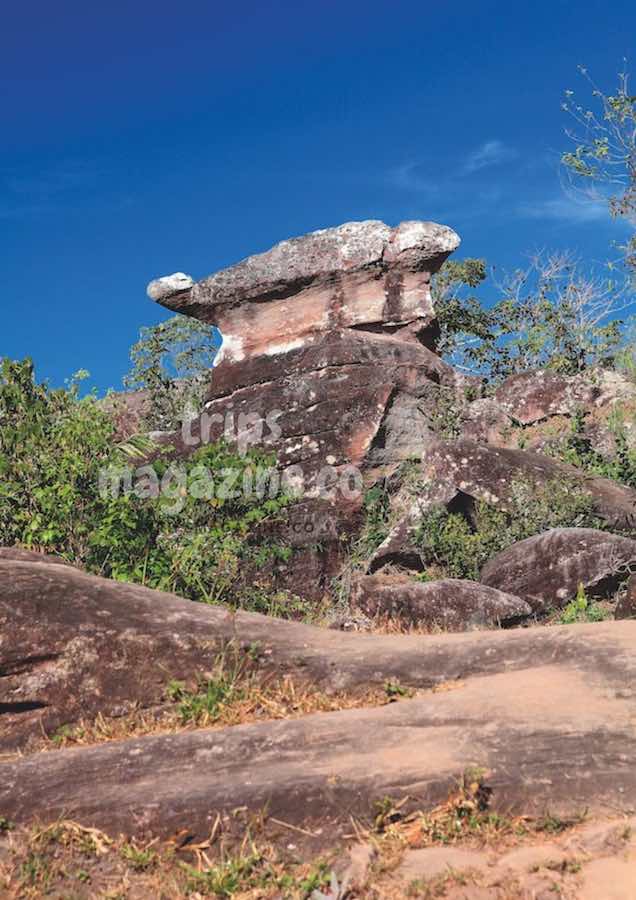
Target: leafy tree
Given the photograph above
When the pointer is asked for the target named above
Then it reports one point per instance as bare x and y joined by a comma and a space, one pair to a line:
603, 162
173, 362
464, 323
549, 315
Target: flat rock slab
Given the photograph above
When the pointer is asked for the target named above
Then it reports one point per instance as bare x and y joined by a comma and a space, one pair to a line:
73, 645
557, 735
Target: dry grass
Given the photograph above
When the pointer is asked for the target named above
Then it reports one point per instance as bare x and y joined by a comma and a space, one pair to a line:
68, 860
234, 692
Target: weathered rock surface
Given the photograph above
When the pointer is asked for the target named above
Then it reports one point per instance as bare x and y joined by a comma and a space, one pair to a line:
489, 473
359, 275
595, 861
532, 396
72, 645
326, 359
17, 554
449, 604
534, 410
626, 604
555, 727
546, 570
454, 474
328, 403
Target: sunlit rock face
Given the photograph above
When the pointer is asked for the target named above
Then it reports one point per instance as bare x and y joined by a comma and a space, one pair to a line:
329, 352
361, 275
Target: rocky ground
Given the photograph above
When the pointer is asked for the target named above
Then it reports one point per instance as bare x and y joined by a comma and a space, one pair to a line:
438, 730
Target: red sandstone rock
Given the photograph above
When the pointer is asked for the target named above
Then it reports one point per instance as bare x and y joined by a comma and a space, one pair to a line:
546, 570
359, 275
450, 603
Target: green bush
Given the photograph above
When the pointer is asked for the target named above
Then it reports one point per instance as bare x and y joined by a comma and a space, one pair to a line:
582, 610
459, 548
577, 450
53, 447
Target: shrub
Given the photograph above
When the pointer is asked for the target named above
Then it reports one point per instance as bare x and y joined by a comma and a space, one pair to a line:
578, 450
173, 362
53, 445
459, 548
582, 610
551, 314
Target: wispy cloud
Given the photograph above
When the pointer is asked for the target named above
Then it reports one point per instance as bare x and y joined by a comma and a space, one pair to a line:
565, 209
414, 176
490, 153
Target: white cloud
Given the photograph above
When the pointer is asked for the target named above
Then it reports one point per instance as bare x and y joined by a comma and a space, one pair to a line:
565, 209
490, 153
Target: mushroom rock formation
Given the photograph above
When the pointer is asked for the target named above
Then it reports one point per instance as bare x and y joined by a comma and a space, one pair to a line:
327, 359
362, 275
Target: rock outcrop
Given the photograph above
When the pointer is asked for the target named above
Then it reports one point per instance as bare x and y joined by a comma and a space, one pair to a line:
547, 569
449, 604
456, 474
549, 713
327, 359
360, 275
534, 410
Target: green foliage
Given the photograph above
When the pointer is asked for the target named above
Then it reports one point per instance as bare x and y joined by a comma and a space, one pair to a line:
578, 450
550, 315
239, 873
173, 361
252, 872
203, 706
460, 548
139, 858
582, 610
53, 447
459, 312
376, 507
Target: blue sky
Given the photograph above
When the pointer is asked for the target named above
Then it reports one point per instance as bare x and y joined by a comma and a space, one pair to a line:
143, 138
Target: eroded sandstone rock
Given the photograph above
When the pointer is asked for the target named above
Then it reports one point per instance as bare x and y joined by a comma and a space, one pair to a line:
546, 570
626, 604
455, 474
359, 275
450, 604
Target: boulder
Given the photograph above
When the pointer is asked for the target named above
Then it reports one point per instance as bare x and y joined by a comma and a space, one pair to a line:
455, 474
532, 396
449, 604
546, 570
488, 474
73, 646
533, 410
359, 275
626, 604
